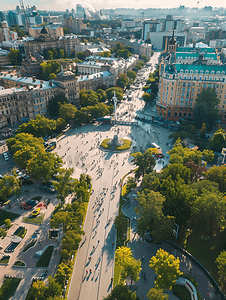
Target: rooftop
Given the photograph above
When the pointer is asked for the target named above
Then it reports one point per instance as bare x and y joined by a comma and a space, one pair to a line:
94, 76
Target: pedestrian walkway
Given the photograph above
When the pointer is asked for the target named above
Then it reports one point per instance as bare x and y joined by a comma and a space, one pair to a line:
143, 248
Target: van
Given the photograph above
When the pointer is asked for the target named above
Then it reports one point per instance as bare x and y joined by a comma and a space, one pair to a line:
154, 145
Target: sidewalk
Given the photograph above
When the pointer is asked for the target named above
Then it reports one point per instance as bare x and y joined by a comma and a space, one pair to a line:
143, 248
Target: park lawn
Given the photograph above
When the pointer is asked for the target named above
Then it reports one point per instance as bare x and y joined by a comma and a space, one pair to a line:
4, 260
29, 246
22, 233
124, 192
45, 258
206, 251
37, 220
8, 288
7, 215
126, 145
19, 263
116, 275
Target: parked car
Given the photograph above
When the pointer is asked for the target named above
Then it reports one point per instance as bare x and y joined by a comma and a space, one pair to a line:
25, 180
29, 204
5, 156
47, 187
36, 212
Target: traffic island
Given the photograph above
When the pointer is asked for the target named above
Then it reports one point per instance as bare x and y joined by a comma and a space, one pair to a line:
116, 144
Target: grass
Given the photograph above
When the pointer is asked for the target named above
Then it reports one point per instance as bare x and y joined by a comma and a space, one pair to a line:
36, 220
19, 263
45, 258
194, 282
105, 145
206, 251
124, 192
126, 145
7, 215
116, 275
4, 260
37, 198
8, 288
22, 233
29, 246
181, 292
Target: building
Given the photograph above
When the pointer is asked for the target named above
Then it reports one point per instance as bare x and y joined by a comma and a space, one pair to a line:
74, 25
31, 66
6, 34
181, 83
96, 81
23, 98
159, 39
128, 23
53, 31
44, 41
4, 58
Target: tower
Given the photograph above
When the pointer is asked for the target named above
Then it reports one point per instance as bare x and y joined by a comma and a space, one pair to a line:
172, 45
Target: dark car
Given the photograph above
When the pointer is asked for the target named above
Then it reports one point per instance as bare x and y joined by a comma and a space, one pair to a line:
47, 187
29, 204
26, 180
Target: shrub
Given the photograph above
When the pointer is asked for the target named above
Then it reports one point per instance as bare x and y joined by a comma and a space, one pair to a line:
105, 145
7, 223
126, 145
181, 292
29, 246
19, 263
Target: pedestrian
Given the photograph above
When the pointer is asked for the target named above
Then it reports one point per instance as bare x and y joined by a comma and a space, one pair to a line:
90, 270
142, 257
98, 241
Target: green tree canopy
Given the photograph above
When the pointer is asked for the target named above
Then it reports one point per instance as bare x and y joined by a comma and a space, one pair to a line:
44, 165
67, 111
131, 74
118, 92
206, 109
122, 80
127, 264
38, 127
166, 266
15, 57
221, 265
9, 185
63, 185
121, 292
145, 163
54, 104
218, 175
157, 294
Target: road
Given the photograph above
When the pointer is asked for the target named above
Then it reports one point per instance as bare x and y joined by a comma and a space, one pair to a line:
80, 150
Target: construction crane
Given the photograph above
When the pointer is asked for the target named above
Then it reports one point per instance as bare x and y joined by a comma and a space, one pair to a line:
27, 23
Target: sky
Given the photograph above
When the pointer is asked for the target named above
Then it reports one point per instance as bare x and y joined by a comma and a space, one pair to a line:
97, 4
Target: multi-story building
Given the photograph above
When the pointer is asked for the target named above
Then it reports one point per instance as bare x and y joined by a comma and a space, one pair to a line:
54, 31
180, 84
44, 41
74, 25
128, 23
4, 58
96, 81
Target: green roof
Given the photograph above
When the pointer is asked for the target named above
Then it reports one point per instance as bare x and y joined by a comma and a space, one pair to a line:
199, 68
184, 55
201, 50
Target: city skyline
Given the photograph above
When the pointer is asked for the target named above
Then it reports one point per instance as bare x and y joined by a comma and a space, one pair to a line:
107, 4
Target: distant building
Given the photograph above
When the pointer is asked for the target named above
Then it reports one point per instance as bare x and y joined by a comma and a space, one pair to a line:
4, 58
96, 80
74, 25
128, 23
53, 31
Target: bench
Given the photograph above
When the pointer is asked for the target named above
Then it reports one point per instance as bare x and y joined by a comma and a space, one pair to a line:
189, 286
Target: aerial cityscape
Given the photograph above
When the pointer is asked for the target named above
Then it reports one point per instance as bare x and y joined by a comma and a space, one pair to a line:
113, 145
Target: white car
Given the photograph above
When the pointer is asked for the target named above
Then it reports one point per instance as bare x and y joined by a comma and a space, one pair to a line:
5, 156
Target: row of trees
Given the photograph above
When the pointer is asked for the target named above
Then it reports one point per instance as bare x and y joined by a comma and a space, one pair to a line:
165, 265
151, 87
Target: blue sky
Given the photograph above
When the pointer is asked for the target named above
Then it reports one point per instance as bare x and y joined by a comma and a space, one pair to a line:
63, 4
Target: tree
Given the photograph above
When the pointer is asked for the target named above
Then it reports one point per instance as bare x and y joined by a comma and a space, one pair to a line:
120, 223
218, 175
9, 185
37, 291
121, 292
166, 266
206, 109
52, 76
122, 80
208, 212
145, 58
148, 98
50, 55
7, 223
53, 289
48, 68
54, 104
105, 54
157, 294
15, 57
88, 98
38, 127
131, 74
60, 124
128, 265
118, 93
3, 233
218, 140
149, 208
71, 240
63, 184
221, 265
63, 272
145, 163
44, 165
80, 55
67, 111
101, 94
61, 217
130, 184
66, 31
